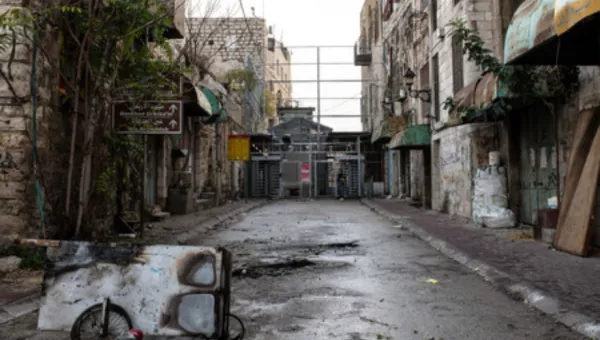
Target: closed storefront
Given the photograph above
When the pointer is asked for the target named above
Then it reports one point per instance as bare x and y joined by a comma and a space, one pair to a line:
538, 174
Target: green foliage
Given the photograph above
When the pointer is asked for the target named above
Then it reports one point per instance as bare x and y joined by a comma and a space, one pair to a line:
123, 150
528, 83
104, 56
271, 107
242, 80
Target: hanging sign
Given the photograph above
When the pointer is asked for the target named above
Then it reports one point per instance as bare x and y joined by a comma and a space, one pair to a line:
567, 13
238, 148
148, 118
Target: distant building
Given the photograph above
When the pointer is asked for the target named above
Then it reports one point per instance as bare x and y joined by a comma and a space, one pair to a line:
278, 76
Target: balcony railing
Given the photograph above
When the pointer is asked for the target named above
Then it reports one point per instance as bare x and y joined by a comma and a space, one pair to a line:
362, 53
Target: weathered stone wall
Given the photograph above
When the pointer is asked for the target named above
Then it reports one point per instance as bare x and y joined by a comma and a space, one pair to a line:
461, 150
480, 16
19, 211
372, 93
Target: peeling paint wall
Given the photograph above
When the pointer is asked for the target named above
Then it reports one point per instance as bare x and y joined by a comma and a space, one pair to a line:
461, 150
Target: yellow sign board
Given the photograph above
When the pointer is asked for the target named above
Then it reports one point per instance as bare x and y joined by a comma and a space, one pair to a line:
567, 13
238, 148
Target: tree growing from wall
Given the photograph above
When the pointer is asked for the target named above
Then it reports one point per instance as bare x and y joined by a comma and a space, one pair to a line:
525, 84
99, 51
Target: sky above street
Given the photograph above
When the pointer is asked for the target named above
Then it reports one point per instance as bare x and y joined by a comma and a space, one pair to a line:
302, 23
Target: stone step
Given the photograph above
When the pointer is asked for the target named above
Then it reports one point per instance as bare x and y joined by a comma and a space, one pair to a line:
207, 195
204, 204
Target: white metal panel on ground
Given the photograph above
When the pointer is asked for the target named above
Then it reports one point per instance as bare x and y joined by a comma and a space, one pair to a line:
156, 285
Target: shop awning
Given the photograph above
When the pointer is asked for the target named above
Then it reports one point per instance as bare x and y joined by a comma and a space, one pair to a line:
569, 13
212, 98
531, 27
541, 34
387, 129
195, 102
415, 136
479, 93
220, 117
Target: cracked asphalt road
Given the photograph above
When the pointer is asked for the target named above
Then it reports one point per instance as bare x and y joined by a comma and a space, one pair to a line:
336, 270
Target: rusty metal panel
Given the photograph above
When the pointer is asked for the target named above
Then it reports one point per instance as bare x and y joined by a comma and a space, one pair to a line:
531, 25
479, 93
158, 286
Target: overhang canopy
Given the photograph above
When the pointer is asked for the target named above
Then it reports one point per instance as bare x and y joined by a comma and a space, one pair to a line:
212, 98
195, 102
414, 137
387, 129
480, 93
531, 27
542, 34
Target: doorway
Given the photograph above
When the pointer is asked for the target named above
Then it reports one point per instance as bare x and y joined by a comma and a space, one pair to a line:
538, 174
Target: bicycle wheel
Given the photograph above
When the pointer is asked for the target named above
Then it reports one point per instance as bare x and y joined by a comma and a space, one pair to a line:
89, 324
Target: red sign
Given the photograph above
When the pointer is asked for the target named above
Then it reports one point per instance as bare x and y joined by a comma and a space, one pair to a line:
305, 172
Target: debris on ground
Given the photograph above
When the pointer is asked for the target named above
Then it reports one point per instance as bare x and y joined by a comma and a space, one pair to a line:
432, 281
520, 235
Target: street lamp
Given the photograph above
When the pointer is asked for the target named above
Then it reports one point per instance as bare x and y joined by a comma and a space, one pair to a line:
409, 80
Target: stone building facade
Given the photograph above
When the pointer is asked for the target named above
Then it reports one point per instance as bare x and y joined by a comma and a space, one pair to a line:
370, 43
278, 76
406, 37
19, 209
457, 150
232, 44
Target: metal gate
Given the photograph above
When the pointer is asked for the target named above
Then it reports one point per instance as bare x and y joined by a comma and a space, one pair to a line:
537, 163
265, 178
351, 167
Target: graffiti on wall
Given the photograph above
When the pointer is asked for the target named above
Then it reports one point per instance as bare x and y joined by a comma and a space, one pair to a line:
166, 290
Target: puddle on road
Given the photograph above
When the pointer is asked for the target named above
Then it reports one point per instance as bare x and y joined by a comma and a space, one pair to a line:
285, 268
273, 269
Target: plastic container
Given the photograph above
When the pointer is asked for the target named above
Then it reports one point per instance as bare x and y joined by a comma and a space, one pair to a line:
494, 158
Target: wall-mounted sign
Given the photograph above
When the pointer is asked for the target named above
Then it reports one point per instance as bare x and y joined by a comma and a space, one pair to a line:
567, 13
305, 172
148, 118
238, 148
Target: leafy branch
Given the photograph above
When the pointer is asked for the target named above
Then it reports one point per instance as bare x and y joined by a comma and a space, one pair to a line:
526, 83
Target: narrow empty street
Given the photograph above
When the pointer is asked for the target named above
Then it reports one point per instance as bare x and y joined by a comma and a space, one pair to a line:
335, 270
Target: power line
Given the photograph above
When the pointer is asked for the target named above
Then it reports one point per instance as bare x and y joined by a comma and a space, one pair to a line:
342, 103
